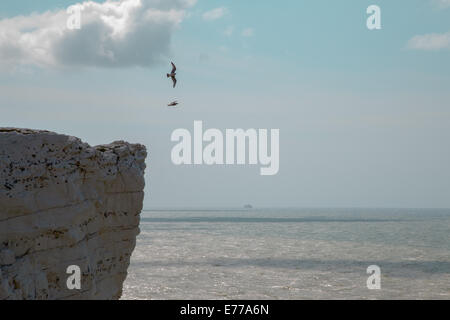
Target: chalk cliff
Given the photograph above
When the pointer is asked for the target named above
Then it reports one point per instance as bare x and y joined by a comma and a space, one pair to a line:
63, 203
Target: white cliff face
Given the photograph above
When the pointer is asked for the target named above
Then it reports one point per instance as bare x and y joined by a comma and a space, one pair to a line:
65, 203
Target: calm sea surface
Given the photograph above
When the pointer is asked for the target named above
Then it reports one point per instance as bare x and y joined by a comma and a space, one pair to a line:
291, 254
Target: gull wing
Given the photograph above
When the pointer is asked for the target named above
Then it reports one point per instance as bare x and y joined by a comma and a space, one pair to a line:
174, 81
173, 68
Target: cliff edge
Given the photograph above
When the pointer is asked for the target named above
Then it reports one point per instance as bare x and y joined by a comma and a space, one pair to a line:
64, 203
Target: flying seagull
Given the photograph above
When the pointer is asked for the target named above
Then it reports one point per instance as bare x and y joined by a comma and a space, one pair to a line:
172, 74
173, 104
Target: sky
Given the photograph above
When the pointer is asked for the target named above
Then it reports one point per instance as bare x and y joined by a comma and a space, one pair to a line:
364, 115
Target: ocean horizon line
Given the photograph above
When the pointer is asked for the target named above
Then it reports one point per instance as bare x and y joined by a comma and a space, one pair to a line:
285, 208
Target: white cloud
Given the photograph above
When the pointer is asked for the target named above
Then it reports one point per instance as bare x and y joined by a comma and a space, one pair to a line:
247, 32
116, 33
430, 42
215, 14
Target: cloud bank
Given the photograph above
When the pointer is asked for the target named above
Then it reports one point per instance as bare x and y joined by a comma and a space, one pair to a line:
116, 33
430, 42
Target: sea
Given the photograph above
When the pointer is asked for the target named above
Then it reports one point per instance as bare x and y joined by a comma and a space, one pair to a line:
291, 253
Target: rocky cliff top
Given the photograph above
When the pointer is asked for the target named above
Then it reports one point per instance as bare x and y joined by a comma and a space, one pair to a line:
64, 202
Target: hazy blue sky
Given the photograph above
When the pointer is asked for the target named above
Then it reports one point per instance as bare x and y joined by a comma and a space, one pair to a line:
364, 116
